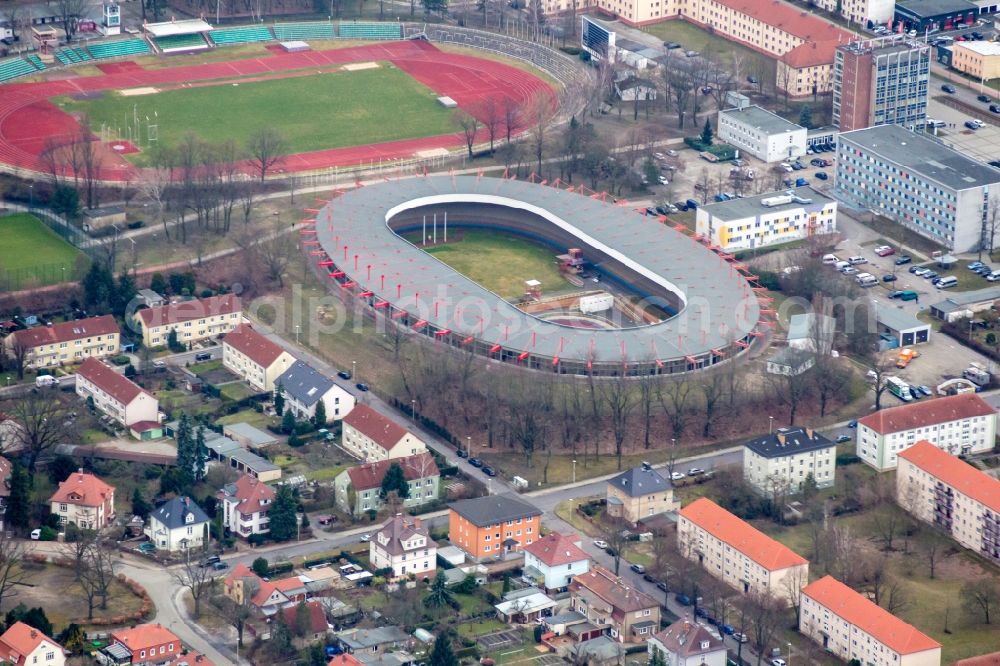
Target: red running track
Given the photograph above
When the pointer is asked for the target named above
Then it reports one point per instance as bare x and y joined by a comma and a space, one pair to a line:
28, 120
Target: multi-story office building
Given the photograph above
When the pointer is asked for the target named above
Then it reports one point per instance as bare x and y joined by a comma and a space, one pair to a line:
737, 553
766, 136
980, 60
881, 82
952, 495
919, 183
860, 11
855, 629
767, 219
960, 424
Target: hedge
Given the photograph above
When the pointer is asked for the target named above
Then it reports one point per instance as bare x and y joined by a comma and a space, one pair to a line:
280, 568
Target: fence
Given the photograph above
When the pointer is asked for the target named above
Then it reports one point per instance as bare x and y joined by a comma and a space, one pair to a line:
14, 279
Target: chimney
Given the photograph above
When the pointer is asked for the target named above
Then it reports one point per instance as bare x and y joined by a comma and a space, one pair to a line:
781, 439
416, 523
34, 634
810, 433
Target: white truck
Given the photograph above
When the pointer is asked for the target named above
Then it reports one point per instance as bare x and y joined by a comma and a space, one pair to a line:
46, 380
976, 374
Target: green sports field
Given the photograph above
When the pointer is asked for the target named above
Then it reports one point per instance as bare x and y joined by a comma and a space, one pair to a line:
315, 112
501, 262
31, 254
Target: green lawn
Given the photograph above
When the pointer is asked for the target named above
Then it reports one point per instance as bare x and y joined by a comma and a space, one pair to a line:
316, 112
31, 254
235, 391
501, 262
693, 38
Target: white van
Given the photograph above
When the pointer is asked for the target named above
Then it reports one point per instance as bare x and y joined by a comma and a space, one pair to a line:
46, 380
857, 260
935, 123
866, 280
946, 282
830, 259
841, 265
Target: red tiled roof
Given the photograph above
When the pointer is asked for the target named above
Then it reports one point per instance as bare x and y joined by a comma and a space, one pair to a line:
927, 412
20, 641
554, 549
190, 310
742, 536
864, 614
67, 331
369, 475
259, 349
609, 587
317, 618
264, 592
811, 54
289, 586
251, 492
239, 571
382, 430
143, 426
344, 660
144, 636
118, 386
85, 487
961, 476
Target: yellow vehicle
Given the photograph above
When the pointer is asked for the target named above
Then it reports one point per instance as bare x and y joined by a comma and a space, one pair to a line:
905, 356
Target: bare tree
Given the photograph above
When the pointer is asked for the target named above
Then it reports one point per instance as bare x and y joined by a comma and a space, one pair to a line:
273, 252
43, 424
19, 355
491, 115
934, 551
12, 574
511, 117
197, 579
790, 390
68, 12
980, 598
678, 84
267, 148
77, 549
794, 582
763, 615
618, 396
675, 397
614, 531
97, 574
238, 614
541, 117
89, 158
468, 124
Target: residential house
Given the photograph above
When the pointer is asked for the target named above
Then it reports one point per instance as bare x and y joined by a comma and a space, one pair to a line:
116, 395
738, 554
193, 320
952, 495
148, 643
782, 461
245, 505
959, 424
11, 433
177, 525
317, 627
304, 387
84, 500
254, 358
373, 641
493, 526
552, 561
66, 343
357, 489
853, 628
687, 643
524, 606
639, 493
372, 437
608, 601
23, 644
266, 597
404, 545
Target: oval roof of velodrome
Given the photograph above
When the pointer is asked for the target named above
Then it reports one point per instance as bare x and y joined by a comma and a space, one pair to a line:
720, 305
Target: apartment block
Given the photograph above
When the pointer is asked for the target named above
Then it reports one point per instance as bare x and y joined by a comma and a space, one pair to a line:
881, 82
861, 11
767, 219
373, 437
493, 526
257, 360
765, 135
115, 395
959, 424
193, 320
785, 459
942, 490
918, 182
65, 343
738, 554
855, 629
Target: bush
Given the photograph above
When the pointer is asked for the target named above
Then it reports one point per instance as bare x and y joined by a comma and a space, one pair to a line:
280, 568
138, 224
48, 534
295, 441
847, 459
571, 50
121, 360
260, 566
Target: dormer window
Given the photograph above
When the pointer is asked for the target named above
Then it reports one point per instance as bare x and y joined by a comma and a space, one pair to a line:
189, 518
704, 645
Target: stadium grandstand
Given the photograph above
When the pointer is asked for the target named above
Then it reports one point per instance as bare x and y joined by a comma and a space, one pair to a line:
711, 311
178, 36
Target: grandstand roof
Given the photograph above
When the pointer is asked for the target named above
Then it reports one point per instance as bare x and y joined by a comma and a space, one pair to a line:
185, 27
718, 308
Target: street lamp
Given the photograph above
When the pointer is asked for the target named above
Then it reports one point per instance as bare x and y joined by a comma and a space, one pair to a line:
789, 661
770, 425
413, 412
574, 471
354, 370
297, 327
468, 445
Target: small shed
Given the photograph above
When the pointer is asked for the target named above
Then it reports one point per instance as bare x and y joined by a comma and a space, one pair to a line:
902, 326
97, 218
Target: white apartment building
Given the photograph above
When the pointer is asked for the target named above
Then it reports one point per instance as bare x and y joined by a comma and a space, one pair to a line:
942, 490
373, 437
65, 343
256, 359
193, 320
767, 219
738, 554
766, 136
784, 460
861, 11
852, 627
116, 395
404, 545
245, 505
959, 424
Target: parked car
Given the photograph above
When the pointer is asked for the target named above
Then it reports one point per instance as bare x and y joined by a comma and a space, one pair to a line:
696, 471
475, 462
611, 551
848, 270
884, 251
915, 392
203, 356
920, 271
671, 45
778, 661
691, 54
821, 175
209, 561
36, 534
365, 538
975, 266
950, 89
752, 79
638, 568
489, 471
995, 108
925, 390
683, 599
363, 387
344, 374
220, 566
727, 629
600, 543
843, 438
661, 586
462, 453
930, 275
984, 98
903, 259
147, 547
663, 180
159, 364
740, 637
676, 476
889, 278
973, 124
